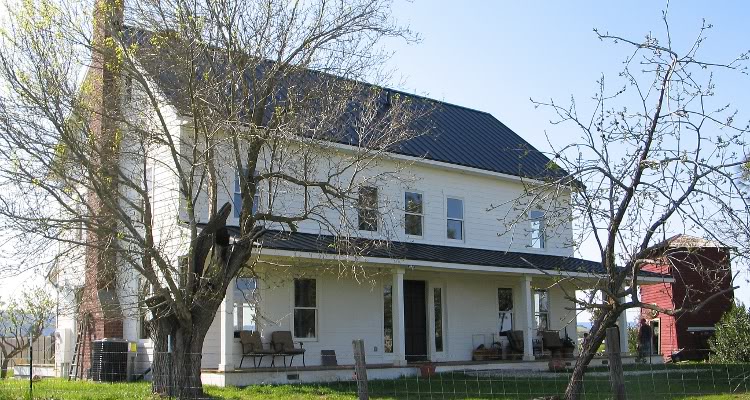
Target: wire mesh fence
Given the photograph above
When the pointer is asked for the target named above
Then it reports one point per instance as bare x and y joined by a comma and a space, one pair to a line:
118, 377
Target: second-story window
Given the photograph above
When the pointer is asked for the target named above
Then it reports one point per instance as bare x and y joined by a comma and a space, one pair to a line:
537, 229
455, 216
367, 209
413, 216
237, 197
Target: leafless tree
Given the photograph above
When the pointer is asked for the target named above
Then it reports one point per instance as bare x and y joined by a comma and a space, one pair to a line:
660, 153
112, 130
23, 318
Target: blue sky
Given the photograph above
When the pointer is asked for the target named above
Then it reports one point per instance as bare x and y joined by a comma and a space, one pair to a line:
493, 56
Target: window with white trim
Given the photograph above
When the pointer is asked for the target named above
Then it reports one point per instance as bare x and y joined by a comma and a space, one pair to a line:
367, 209
245, 304
305, 309
455, 218
237, 197
505, 309
437, 302
541, 310
536, 218
388, 318
413, 214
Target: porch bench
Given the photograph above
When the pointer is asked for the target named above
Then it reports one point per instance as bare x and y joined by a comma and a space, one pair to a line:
283, 345
252, 346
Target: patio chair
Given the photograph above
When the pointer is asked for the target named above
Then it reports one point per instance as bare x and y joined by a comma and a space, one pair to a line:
283, 345
515, 341
551, 341
253, 347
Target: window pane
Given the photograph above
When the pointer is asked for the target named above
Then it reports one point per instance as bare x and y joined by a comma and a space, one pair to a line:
537, 229
368, 209
304, 293
368, 197
237, 204
248, 317
413, 202
541, 301
413, 224
388, 318
455, 229
505, 299
438, 301
506, 321
541, 322
304, 323
455, 208
368, 220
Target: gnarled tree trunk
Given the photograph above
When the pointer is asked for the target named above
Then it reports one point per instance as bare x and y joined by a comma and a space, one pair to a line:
176, 368
596, 336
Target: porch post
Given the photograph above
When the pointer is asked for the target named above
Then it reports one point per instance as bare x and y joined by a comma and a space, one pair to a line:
622, 323
527, 311
399, 332
226, 312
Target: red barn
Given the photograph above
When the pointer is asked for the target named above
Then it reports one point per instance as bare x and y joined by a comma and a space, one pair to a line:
701, 269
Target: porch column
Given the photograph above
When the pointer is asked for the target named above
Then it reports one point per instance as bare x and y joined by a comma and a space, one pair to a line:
399, 332
527, 310
622, 323
226, 312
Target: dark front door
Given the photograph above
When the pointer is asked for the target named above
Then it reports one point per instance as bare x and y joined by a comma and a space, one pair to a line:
415, 320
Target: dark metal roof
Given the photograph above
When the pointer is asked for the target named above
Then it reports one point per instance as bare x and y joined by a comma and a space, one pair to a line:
326, 244
450, 133
463, 136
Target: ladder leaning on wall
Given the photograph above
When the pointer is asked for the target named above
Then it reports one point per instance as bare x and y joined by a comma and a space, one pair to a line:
76, 372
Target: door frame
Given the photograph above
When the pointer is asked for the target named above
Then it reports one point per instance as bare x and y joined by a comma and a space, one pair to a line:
656, 351
427, 324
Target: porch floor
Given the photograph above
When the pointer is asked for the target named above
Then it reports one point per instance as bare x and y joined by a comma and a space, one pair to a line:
313, 374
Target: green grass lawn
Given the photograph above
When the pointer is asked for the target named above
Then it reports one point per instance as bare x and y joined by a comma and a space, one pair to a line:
692, 381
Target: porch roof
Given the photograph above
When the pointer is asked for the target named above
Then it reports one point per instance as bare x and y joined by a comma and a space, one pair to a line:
327, 244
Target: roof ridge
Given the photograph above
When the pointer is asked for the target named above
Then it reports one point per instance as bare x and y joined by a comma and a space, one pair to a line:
423, 97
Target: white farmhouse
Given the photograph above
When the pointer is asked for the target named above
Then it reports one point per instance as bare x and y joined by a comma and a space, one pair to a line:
440, 274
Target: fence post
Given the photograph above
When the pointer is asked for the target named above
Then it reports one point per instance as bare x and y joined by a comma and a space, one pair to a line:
616, 375
31, 366
360, 369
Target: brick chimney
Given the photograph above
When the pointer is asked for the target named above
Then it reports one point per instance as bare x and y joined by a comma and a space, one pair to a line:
99, 302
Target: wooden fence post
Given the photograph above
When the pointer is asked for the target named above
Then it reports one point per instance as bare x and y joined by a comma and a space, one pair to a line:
616, 375
360, 369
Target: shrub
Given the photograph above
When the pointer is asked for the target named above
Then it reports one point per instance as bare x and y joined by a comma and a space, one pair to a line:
731, 341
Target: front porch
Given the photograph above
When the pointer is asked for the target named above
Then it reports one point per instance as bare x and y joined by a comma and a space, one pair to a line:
341, 373
403, 314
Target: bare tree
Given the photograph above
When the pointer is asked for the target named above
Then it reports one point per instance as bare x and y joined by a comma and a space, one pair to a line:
22, 321
658, 154
112, 132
